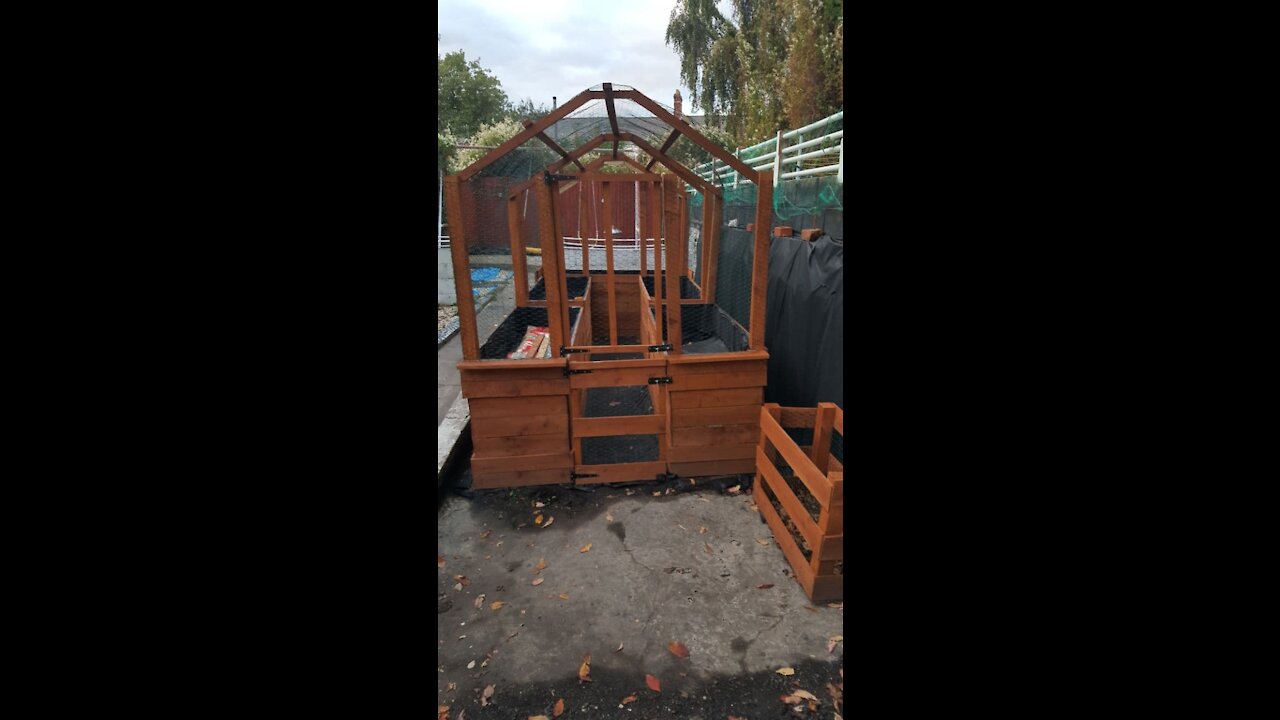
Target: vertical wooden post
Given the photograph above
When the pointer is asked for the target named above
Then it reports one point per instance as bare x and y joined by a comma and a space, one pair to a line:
713, 249
775, 411
708, 213
820, 453
645, 223
672, 195
606, 190
518, 263
552, 274
458, 233
582, 231
655, 223
760, 257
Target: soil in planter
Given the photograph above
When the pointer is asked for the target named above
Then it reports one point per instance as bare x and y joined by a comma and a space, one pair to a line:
788, 523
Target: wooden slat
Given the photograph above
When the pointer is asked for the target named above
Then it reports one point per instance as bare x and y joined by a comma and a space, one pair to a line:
825, 416
654, 365
656, 226
831, 548
800, 464
607, 349
716, 435
512, 447
620, 472
458, 234
835, 465
614, 378
713, 452
757, 378
520, 425
551, 260
671, 198
712, 235
514, 389
746, 365
515, 370
715, 398
517, 252
718, 357
826, 588
713, 467
605, 189
500, 407
782, 537
839, 424
528, 133
613, 117
491, 479
582, 231
732, 415
760, 258
805, 524
621, 425
524, 462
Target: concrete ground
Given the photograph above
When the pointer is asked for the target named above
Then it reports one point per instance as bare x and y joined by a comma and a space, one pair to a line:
685, 567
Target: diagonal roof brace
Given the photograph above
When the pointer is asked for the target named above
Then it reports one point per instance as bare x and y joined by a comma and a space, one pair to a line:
552, 144
613, 116
675, 133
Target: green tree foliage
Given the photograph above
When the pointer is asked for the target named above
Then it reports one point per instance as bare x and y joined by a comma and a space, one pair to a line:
778, 64
468, 96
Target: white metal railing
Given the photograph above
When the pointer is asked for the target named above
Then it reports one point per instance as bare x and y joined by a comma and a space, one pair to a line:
783, 154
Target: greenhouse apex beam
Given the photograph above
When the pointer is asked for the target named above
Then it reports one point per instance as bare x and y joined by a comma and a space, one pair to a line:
613, 116
552, 144
527, 134
688, 130
671, 139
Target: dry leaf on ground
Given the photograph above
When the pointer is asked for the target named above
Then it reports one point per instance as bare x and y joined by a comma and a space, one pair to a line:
608, 517
458, 587
439, 561
539, 504
471, 664
833, 641
486, 534
484, 697
462, 580
762, 542
479, 601
537, 581
734, 490
547, 524
678, 649
619, 648
559, 707
837, 606
629, 699
653, 683
658, 494
442, 712
765, 586
786, 671
702, 530
542, 565
537, 520
539, 717
496, 605
585, 548
564, 596
585, 669
451, 687
805, 694
791, 699
708, 547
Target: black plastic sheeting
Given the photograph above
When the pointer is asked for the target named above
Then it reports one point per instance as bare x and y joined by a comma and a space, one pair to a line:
804, 322
733, 276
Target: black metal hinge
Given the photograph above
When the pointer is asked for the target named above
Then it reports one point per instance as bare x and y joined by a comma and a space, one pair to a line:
660, 381
575, 476
568, 372
549, 178
566, 350
665, 347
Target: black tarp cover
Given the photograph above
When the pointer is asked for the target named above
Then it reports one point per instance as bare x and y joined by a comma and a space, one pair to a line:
804, 322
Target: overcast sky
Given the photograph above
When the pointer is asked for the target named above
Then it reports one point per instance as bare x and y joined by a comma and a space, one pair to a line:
541, 48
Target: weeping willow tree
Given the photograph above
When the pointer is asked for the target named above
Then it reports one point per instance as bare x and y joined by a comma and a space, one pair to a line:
776, 64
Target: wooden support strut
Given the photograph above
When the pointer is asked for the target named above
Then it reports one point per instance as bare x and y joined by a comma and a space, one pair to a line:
613, 116
607, 192
552, 144
518, 262
529, 133
666, 145
552, 257
461, 269
672, 195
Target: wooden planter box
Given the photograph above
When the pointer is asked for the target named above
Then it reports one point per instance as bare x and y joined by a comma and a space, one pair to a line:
807, 483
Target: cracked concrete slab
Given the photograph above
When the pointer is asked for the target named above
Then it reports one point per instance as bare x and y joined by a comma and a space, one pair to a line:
684, 567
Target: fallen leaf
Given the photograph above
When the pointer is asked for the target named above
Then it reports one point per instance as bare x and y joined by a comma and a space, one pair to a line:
658, 494
538, 717
790, 699
479, 601
542, 565
442, 712
585, 669
832, 642
631, 492
496, 605
629, 699
539, 504
765, 586
754, 508
439, 561
702, 530
619, 648
585, 548
484, 697
762, 542
608, 517
734, 490
786, 671
559, 710
653, 683
462, 580
838, 717
485, 534
547, 524
536, 582
458, 586
537, 520
462, 637
471, 664
837, 606
708, 547
804, 694
678, 649
451, 687
564, 596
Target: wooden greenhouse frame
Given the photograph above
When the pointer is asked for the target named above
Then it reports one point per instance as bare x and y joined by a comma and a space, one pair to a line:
528, 423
